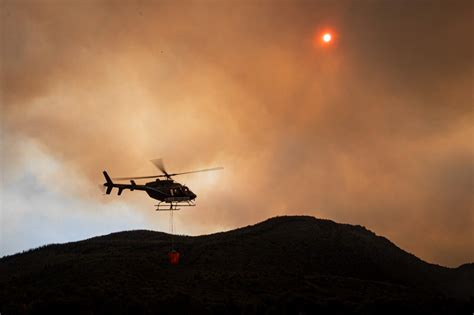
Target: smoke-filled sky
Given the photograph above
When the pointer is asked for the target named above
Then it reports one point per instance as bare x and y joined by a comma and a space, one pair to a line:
375, 128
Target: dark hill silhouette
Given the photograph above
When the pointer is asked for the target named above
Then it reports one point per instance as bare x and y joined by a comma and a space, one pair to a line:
294, 264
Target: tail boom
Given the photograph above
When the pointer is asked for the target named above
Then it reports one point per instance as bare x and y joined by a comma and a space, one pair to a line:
110, 184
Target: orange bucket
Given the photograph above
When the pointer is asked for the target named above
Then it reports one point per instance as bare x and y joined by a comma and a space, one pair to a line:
174, 257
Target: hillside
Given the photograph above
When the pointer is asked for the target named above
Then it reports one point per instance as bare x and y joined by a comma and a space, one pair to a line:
294, 264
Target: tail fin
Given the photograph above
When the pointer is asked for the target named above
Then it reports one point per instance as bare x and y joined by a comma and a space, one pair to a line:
109, 184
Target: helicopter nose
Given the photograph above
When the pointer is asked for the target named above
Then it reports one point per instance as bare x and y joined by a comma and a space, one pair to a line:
193, 195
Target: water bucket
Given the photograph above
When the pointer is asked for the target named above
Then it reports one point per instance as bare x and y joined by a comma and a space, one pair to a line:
173, 257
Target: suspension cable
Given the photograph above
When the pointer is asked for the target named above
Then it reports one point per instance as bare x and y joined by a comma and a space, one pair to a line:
171, 221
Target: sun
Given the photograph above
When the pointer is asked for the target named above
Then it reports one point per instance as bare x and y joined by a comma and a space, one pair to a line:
324, 38
327, 37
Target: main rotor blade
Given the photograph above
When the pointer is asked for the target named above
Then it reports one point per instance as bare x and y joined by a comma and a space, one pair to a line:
139, 177
159, 164
204, 170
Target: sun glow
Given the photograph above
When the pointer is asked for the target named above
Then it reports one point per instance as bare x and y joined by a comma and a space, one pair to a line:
327, 37
324, 38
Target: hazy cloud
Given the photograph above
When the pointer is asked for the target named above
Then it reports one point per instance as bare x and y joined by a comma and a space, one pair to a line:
375, 130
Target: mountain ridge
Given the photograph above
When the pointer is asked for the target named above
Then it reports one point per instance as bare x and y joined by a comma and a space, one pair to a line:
317, 261
129, 233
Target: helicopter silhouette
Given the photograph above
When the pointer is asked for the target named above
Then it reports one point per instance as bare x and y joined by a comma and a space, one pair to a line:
170, 194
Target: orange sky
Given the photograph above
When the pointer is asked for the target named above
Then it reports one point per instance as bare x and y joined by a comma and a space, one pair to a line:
375, 129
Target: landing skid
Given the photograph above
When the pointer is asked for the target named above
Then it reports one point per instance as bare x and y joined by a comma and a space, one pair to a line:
173, 205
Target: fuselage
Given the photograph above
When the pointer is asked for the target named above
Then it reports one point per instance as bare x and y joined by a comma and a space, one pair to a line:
163, 190
169, 191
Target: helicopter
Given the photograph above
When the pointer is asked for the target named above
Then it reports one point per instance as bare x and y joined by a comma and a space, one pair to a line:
170, 194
